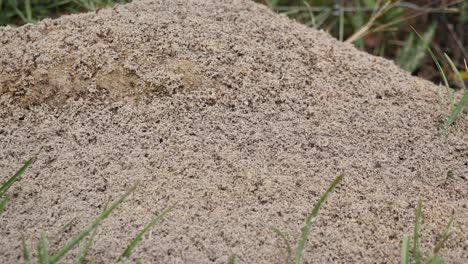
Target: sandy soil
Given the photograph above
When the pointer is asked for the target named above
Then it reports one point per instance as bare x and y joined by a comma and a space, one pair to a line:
239, 115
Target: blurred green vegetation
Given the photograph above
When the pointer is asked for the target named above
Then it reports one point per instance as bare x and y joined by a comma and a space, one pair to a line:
18, 12
384, 28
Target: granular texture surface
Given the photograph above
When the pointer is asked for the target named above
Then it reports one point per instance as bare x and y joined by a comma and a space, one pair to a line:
241, 117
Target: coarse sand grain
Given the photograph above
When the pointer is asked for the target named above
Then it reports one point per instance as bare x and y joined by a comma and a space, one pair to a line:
240, 116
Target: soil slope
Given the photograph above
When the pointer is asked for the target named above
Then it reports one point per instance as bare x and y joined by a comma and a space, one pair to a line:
240, 116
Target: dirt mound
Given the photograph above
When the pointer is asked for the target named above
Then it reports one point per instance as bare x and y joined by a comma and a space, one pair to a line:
239, 115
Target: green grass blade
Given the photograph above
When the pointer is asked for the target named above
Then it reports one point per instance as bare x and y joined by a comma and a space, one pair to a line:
443, 237
310, 218
435, 260
286, 242
420, 52
416, 253
57, 4
358, 21
128, 251
57, 256
369, 3
81, 252
341, 22
273, 3
85, 245
439, 103
27, 8
382, 48
415, 57
464, 101
322, 17
3, 203
232, 260
436, 61
456, 71
12, 180
25, 252
311, 14
43, 250
405, 52
405, 250
290, 12
14, 5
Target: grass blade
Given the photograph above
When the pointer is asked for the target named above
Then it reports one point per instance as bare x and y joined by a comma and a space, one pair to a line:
310, 218
405, 52
3, 203
443, 237
416, 253
12, 180
435, 260
25, 252
273, 4
365, 29
57, 256
311, 14
43, 250
464, 74
232, 260
9, 183
85, 245
413, 53
357, 22
464, 101
322, 17
341, 22
27, 8
14, 5
456, 71
436, 61
439, 103
405, 250
128, 251
81, 252
419, 53
286, 242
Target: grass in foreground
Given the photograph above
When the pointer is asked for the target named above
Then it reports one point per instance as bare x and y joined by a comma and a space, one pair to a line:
455, 109
308, 223
85, 237
405, 250
405, 247
4, 197
44, 257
